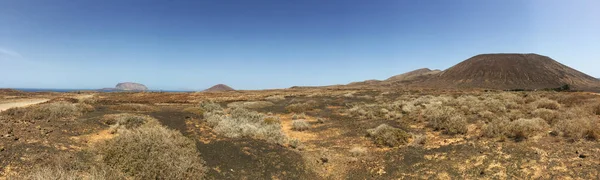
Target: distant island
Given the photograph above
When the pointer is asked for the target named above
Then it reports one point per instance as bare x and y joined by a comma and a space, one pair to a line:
126, 86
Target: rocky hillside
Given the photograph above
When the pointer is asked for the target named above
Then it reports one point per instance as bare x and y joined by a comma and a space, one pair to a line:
413, 75
407, 78
511, 71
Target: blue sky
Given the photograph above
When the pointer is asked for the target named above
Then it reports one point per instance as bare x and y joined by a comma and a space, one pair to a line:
267, 44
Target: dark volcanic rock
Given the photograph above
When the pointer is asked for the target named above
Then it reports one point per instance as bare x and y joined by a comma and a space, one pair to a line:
130, 86
219, 88
511, 71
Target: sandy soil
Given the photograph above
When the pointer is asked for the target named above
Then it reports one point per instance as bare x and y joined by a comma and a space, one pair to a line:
20, 103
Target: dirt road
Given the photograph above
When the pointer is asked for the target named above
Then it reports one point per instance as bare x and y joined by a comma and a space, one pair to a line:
20, 103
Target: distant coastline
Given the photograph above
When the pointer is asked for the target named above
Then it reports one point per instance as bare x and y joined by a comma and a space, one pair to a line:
75, 90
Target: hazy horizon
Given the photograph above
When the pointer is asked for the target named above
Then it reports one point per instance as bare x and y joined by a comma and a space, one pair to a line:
276, 44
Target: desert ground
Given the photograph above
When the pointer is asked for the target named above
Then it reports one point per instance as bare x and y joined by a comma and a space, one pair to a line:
301, 133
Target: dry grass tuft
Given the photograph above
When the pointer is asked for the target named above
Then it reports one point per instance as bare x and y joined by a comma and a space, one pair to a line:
385, 135
300, 125
302, 107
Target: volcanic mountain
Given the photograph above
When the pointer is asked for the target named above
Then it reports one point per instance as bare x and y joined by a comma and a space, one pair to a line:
411, 77
512, 71
219, 88
419, 74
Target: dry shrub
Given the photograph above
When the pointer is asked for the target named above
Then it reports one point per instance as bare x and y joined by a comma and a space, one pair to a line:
302, 107
153, 152
296, 144
446, 118
496, 128
514, 114
547, 103
15, 112
194, 110
244, 123
575, 113
67, 165
210, 106
579, 128
596, 109
385, 135
250, 105
44, 173
547, 114
526, 128
300, 125
126, 121
487, 115
272, 120
84, 107
358, 151
298, 116
571, 99
275, 98
63, 99
418, 140
457, 124
321, 120
133, 107
56, 110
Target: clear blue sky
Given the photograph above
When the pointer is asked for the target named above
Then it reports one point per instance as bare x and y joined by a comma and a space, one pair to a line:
263, 44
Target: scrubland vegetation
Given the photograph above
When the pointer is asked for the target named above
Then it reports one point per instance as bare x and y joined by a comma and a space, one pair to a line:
516, 116
335, 136
141, 149
239, 122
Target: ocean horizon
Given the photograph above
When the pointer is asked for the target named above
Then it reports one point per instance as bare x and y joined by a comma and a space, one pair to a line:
75, 90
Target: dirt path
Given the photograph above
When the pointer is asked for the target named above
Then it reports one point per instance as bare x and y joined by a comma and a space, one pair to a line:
21, 103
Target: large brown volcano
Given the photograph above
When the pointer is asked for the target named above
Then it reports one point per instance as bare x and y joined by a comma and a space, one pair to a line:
512, 71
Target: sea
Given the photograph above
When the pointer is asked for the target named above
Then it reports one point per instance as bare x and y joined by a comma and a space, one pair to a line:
76, 90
